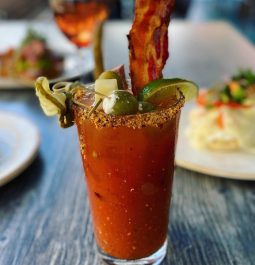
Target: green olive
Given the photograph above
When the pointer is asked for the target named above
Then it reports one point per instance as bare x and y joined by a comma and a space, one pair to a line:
145, 107
120, 102
112, 75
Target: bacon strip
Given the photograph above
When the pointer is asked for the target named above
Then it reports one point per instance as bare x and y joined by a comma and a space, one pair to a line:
148, 41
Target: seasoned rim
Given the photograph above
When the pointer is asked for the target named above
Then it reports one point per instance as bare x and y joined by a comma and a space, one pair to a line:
101, 120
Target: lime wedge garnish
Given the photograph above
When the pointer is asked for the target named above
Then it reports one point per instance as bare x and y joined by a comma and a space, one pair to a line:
163, 89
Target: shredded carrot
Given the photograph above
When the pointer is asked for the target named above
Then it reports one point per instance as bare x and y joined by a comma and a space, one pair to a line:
220, 121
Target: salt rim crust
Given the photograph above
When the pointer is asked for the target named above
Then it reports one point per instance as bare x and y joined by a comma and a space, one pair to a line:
150, 119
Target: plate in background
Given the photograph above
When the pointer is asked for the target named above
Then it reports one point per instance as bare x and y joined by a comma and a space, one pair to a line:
71, 71
235, 165
14, 32
19, 143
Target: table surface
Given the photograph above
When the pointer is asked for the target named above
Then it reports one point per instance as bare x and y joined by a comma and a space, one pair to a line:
44, 213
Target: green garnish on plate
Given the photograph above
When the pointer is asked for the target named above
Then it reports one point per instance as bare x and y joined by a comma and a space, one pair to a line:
238, 91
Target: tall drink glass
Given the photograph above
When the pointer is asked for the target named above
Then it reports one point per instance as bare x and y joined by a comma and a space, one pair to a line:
129, 168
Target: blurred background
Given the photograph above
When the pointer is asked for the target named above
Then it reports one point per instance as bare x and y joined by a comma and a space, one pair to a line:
240, 13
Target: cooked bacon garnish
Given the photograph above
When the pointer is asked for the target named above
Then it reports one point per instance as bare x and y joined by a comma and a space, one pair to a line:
148, 41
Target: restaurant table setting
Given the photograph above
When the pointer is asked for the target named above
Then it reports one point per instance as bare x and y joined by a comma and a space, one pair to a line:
44, 210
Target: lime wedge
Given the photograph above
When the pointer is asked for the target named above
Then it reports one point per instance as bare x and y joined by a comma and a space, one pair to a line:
161, 90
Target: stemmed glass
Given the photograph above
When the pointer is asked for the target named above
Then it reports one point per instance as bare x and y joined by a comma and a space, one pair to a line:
79, 20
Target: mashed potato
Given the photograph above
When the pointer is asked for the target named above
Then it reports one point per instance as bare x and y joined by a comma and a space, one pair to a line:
224, 118
236, 131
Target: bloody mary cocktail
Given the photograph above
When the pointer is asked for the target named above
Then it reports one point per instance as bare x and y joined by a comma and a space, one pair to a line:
129, 166
127, 140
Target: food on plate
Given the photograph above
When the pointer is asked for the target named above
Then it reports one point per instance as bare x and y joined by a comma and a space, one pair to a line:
31, 59
224, 116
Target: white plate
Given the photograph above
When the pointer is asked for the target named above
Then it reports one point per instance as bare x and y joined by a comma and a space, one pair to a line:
19, 142
15, 31
235, 165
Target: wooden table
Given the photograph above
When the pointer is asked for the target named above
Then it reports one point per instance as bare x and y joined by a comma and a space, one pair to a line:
44, 213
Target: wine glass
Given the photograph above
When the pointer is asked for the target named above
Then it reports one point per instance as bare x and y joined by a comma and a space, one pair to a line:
79, 20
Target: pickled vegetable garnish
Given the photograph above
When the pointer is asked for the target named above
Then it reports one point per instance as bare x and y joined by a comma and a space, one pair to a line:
148, 41
145, 107
104, 87
120, 102
112, 75
55, 102
51, 103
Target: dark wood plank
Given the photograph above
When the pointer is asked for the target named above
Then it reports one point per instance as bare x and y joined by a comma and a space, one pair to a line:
212, 220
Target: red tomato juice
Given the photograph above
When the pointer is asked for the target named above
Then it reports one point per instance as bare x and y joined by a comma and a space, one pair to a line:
129, 175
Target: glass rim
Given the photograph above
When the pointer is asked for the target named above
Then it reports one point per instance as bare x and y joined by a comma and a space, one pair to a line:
153, 118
